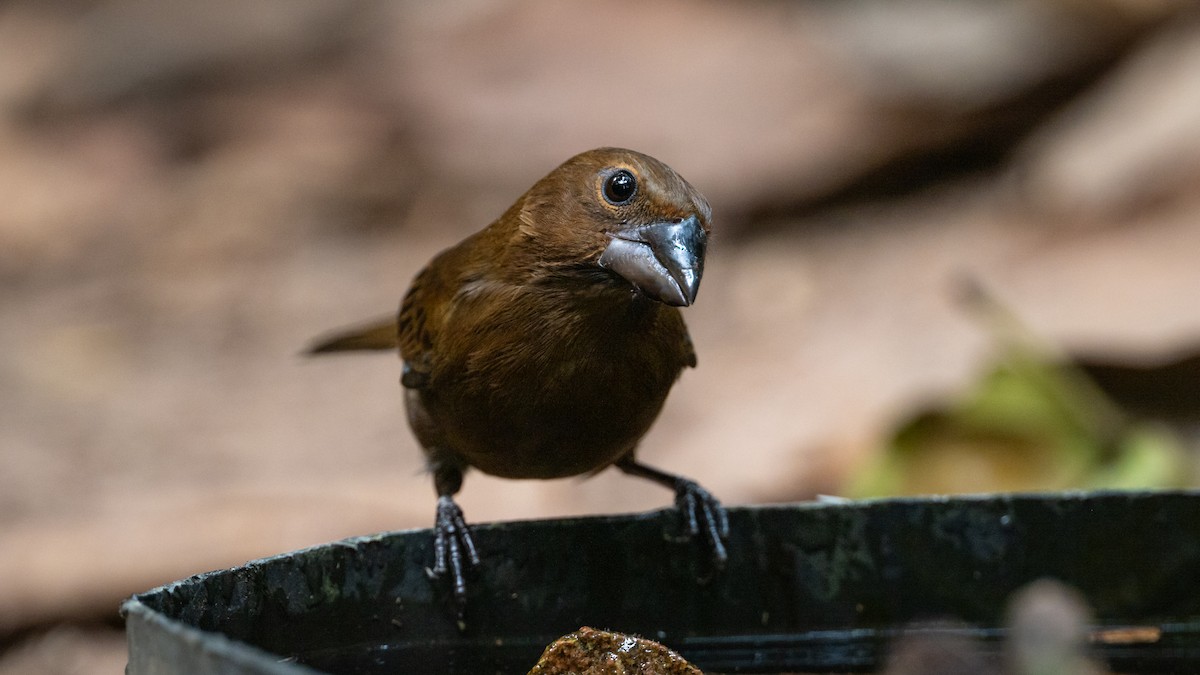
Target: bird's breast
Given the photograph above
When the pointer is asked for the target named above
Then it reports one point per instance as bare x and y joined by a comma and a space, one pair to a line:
559, 391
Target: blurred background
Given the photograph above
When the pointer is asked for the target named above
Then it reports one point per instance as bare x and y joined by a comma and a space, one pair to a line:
955, 250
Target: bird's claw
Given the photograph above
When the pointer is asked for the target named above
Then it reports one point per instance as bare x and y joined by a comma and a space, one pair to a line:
703, 515
451, 544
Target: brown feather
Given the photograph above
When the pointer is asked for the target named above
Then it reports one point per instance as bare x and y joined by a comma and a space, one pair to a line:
376, 335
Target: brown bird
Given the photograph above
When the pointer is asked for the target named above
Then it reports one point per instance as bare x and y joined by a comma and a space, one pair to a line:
544, 345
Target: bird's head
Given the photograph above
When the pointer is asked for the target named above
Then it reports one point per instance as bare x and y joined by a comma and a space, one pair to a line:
620, 215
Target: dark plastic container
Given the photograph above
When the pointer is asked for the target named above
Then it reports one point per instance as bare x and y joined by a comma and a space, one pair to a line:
810, 587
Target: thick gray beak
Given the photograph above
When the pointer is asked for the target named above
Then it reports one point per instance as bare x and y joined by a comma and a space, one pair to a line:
663, 260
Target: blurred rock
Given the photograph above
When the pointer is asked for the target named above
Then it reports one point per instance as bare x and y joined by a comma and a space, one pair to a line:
1048, 631
931, 652
972, 55
1131, 144
124, 48
1049, 625
68, 650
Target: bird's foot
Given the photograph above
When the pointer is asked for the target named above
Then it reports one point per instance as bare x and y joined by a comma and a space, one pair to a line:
703, 516
453, 549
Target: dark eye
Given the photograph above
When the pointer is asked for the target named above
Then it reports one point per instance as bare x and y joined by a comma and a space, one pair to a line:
620, 187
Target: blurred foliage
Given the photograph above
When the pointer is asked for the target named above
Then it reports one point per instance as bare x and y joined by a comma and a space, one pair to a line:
1033, 421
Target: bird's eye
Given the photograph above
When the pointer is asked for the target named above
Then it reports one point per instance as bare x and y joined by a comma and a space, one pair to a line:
620, 187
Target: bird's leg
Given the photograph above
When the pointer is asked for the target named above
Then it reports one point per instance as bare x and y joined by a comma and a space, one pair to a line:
701, 511
453, 547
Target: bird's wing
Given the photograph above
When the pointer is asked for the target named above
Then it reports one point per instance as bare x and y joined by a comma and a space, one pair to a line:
424, 310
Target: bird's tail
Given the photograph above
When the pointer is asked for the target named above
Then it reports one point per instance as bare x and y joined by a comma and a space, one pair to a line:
376, 335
